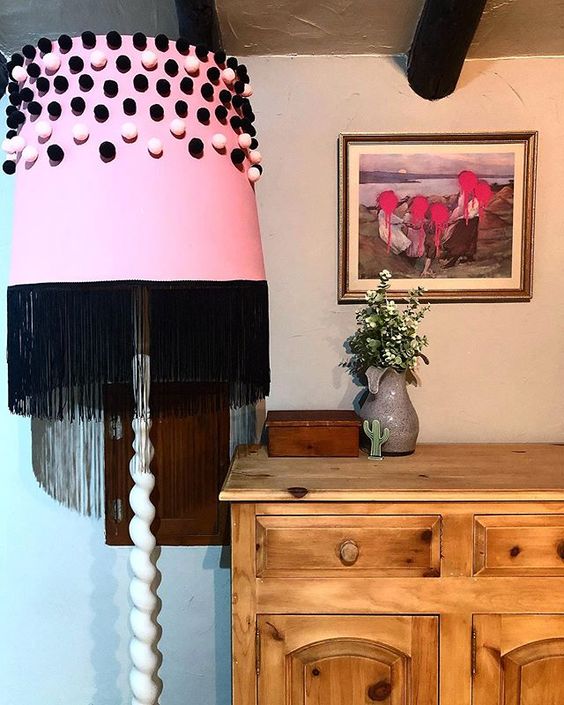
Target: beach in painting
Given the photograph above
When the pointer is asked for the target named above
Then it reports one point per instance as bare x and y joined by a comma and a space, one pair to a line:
436, 215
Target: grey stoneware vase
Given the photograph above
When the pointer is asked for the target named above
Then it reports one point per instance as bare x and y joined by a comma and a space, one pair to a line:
389, 402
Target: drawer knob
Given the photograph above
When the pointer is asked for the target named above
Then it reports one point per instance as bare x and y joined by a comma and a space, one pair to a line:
348, 552
560, 550
380, 691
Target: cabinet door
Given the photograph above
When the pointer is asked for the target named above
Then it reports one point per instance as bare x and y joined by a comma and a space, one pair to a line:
519, 660
347, 660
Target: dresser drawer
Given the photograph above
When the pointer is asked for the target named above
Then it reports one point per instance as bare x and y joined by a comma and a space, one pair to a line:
327, 546
519, 545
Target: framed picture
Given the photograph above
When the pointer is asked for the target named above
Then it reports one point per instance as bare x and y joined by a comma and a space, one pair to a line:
452, 213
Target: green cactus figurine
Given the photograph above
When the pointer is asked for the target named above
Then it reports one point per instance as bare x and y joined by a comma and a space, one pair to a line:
377, 438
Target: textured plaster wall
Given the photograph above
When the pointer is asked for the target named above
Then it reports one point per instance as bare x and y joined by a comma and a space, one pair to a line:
497, 370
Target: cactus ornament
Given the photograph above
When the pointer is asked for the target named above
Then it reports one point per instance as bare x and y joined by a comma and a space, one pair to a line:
377, 438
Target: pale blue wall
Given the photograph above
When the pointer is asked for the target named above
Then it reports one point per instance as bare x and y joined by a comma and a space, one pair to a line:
64, 601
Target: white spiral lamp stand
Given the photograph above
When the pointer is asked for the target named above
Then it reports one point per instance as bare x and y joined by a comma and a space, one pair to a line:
142, 677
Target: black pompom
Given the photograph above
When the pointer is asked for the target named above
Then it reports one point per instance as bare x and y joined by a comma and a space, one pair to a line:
207, 91
29, 51
13, 87
76, 64
129, 106
42, 84
139, 41
220, 57
78, 105
156, 111
258, 166
237, 101
15, 100
10, 134
238, 86
107, 150
55, 153
171, 67
186, 85
195, 147
203, 115
9, 167
101, 113
221, 112
161, 42
26, 94
14, 120
181, 108
248, 111
54, 109
88, 40
45, 45
65, 43
33, 70
201, 52
123, 63
163, 87
235, 122
10, 109
16, 60
213, 74
61, 84
113, 39
254, 143
110, 88
237, 156
247, 126
140, 82
241, 70
232, 63
182, 45
225, 96
85, 82
34, 108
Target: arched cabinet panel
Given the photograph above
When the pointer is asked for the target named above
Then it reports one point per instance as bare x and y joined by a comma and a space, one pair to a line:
519, 660
347, 660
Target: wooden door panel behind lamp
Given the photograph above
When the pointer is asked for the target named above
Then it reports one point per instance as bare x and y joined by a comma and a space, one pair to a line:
190, 463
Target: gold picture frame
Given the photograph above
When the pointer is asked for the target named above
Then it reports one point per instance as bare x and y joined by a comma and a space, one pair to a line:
482, 252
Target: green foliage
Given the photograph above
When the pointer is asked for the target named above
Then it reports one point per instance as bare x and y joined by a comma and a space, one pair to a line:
387, 334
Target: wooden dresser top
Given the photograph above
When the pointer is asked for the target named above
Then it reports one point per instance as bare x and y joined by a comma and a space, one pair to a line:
441, 472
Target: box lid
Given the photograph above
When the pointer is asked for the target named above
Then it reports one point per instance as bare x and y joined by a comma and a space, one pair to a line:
276, 419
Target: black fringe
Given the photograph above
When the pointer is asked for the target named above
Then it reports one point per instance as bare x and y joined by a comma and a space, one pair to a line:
67, 341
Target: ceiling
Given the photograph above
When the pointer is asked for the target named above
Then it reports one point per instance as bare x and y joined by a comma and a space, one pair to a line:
508, 27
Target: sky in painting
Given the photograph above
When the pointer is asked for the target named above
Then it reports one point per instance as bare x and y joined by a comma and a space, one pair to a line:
484, 165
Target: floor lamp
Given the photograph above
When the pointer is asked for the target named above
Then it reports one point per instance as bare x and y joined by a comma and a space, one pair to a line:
136, 247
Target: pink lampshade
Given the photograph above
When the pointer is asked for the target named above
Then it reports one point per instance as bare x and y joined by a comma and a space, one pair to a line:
135, 162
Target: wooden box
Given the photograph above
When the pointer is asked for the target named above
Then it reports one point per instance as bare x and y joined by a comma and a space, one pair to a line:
313, 434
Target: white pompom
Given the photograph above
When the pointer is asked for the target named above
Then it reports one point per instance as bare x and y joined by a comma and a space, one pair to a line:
178, 127
248, 90
98, 59
192, 64
30, 154
228, 75
155, 146
43, 129
80, 132
7, 146
149, 59
129, 131
18, 143
52, 61
253, 174
245, 140
255, 157
219, 141
19, 74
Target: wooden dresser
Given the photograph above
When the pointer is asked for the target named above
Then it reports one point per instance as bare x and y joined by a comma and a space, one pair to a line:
437, 577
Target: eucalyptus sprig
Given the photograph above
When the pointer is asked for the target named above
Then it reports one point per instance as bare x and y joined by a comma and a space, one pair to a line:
387, 334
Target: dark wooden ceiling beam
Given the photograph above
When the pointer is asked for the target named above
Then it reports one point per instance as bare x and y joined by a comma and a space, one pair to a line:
197, 21
442, 39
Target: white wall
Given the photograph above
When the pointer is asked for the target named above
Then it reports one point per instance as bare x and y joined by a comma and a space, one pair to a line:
497, 370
